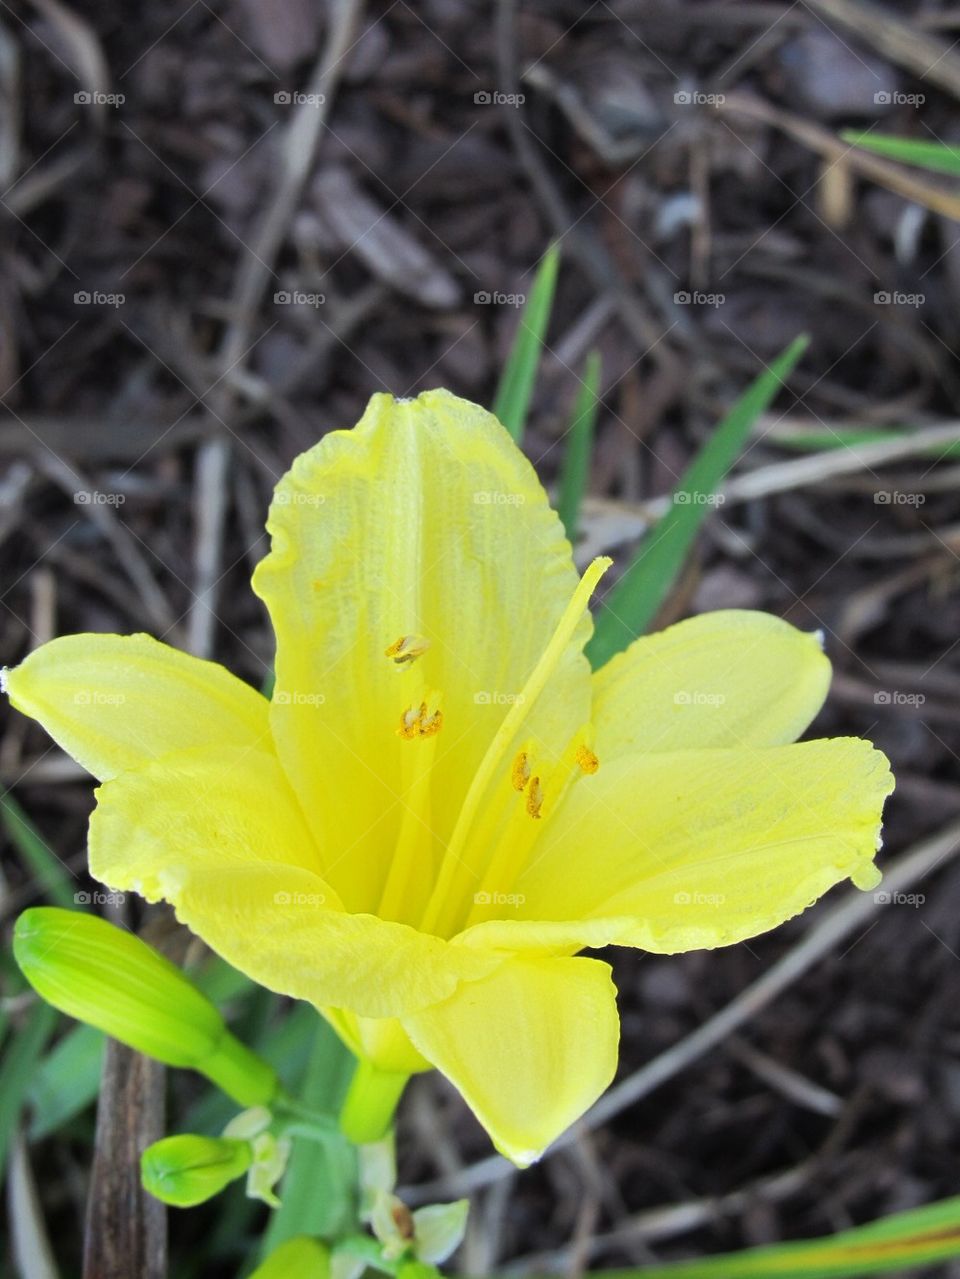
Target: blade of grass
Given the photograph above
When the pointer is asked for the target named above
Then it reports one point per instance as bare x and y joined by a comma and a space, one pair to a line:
49, 871
512, 400
633, 603
576, 462
67, 1081
919, 1237
936, 157
20, 1059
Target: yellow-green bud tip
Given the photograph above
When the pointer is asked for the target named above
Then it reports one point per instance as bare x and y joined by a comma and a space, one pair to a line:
187, 1170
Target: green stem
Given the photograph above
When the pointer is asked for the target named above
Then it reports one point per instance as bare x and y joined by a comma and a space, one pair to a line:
370, 1103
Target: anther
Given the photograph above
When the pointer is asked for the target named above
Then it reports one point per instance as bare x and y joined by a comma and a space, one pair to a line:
420, 721
587, 760
534, 797
520, 773
407, 649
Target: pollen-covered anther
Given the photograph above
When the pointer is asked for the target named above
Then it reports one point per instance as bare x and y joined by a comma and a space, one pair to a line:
407, 649
420, 721
534, 797
520, 773
587, 760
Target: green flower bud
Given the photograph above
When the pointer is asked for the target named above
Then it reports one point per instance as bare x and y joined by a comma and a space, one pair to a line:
298, 1258
188, 1170
109, 978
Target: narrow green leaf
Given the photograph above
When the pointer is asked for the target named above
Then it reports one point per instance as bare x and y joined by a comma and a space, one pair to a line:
23, 1051
67, 1082
633, 603
519, 373
850, 436
316, 1194
576, 462
936, 157
905, 1240
56, 881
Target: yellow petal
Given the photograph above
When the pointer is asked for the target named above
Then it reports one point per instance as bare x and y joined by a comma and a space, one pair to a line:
529, 1047
415, 562
220, 836
702, 848
730, 678
115, 702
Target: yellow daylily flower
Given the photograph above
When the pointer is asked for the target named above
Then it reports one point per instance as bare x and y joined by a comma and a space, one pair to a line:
441, 806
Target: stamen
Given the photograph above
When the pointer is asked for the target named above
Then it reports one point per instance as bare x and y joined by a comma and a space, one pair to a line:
447, 896
407, 649
587, 760
535, 797
520, 773
420, 721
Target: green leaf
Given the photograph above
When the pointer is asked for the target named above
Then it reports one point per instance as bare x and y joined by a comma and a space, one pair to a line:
849, 437
317, 1191
512, 400
919, 1237
936, 157
633, 603
576, 462
20, 1059
67, 1082
56, 881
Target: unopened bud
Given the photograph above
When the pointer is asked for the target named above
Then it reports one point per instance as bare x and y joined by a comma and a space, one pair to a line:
188, 1170
109, 978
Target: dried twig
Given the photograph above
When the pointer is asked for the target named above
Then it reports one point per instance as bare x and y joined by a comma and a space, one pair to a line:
126, 1228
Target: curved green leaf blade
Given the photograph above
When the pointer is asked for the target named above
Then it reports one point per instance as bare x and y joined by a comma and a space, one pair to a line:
905, 1240
512, 400
633, 603
576, 462
936, 157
